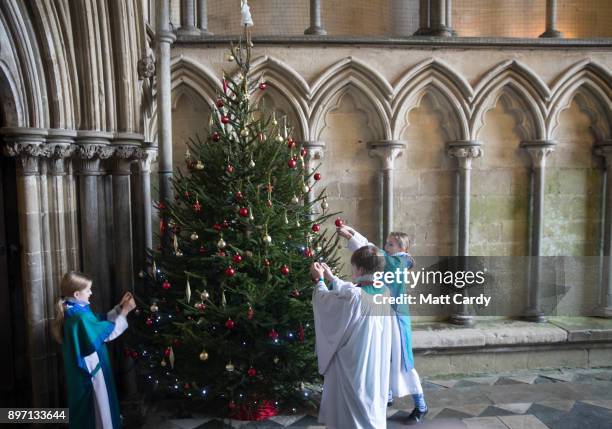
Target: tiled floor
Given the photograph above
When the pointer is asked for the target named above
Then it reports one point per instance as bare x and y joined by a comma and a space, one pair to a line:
555, 399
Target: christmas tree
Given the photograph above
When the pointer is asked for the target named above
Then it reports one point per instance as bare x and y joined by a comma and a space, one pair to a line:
226, 303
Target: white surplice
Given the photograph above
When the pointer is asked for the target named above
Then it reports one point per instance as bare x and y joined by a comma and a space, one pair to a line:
353, 343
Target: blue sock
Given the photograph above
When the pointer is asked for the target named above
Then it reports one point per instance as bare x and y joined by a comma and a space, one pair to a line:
419, 401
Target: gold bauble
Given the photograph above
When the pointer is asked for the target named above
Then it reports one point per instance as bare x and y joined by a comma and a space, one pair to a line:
199, 165
229, 367
205, 295
203, 355
194, 236
154, 308
267, 239
230, 58
295, 200
221, 243
306, 189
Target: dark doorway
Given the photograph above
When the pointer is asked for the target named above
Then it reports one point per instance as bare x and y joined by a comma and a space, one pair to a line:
13, 379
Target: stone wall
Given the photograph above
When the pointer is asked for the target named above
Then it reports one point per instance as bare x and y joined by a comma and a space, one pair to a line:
427, 98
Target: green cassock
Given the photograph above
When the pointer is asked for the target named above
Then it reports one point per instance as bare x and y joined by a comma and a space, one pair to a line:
84, 334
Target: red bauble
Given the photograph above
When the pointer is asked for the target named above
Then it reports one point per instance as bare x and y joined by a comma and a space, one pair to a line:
200, 306
300, 333
250, 313
149, 321
225, 119
263, 86
197, 207
237, 259
284, 270
244, 212
273, 334
216, 136
186, 385
290, 143
219, 103
317, 176
339, 223
230, 272
266, 262
134, 354
221, 253
166, 285
229, 169
226, 224
308, 252
232, 404
316, 227
251, 372
186, 195
292, 163
303, 152
229, 324
224, 86
161, 205
202, 250
167, 351
295, 293
238, 195
217, 227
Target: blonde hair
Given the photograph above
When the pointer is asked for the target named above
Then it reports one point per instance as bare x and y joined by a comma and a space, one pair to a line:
403, 240
72, 282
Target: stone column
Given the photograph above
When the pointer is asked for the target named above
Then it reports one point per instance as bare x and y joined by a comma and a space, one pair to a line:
316, 28
188, 27
315, 152
538, 151
551, 20
143, 234
400, 18
604, 308
60, 145
165, 38
449, 17
27, 146
438, 19
424, 18
387, 151
203, 18
94, 147
465, 151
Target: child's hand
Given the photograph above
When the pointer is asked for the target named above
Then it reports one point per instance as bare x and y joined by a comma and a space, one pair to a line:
126, 297
127, 303
346, 232
316, 271
327, 272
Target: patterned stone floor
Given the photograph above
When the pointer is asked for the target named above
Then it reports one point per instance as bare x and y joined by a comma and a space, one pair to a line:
555, 399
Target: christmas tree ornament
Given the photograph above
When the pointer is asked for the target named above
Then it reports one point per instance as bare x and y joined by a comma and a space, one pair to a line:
187, 291
154, 269
229, 169
229, 368
276, 359
317, 176
303, 152
338, 222
230, 58
267, 239
178, 252
297, 223
250, 313
279, 138
263, 86
306, 188
149, 321
204, 295
251, 218
308, 252
266, 263
274, 121
290, 143
230, 271
200, 306
295, 293
221, 243
269, 203
217, 227
238, 195
225, 224
318, 249
229, 324
216, 136
286, 219
273, 335
225, 119
219, 103
166, 285
251, 372
154, 308
244, 132
237, 258
316, 227
194, 236
199, 165
243, 212
221, 253
141, 274
204, 356
163, 363
324, 204
197, 207
295, 200
252, 163
171, 357
223, 300
248, 254
202, 250
284, 270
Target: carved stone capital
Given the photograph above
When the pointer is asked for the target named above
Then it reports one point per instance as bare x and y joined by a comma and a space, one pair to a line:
538, 150
27, 146
61, 146
145, 156
316, 148
465, 151
604, 148
387, 151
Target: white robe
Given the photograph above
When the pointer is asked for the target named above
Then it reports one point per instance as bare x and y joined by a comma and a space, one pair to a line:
102, 409
353, 343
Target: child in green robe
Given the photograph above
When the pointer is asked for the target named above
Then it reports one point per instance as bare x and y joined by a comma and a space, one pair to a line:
92, 398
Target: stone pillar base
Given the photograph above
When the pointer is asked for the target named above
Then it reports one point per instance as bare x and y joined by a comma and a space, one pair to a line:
462, 320
315, 31
603, 312
552, 34
188, 31
534, 316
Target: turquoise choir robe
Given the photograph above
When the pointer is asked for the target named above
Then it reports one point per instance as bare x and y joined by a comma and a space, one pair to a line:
92, 397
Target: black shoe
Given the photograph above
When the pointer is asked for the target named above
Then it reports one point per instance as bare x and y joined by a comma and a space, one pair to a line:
416, 416
390, 403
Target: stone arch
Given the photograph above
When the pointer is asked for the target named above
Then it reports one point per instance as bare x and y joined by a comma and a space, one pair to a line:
522, 89
289, 89
590, 85
448, 90
276, 101
11, 109
350, 73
